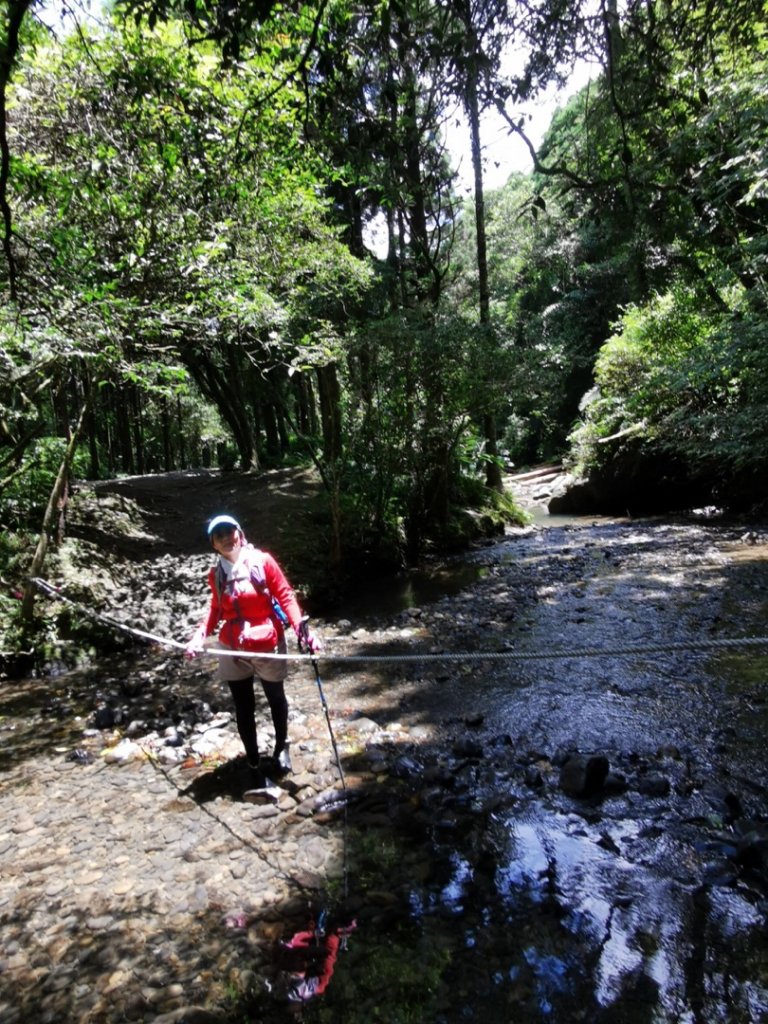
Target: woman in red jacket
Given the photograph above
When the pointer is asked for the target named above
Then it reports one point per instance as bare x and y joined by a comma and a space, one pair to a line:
245, 585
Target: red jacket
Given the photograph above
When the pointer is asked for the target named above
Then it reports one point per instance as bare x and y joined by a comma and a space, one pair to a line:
316, 984
244, 601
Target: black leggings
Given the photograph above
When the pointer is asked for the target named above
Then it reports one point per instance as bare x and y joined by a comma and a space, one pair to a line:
245, 714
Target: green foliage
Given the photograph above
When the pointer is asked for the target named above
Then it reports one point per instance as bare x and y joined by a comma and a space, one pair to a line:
555, 287
189, 233
181, 242
413, 449
651, 181
25, 496
685, 380
15, 551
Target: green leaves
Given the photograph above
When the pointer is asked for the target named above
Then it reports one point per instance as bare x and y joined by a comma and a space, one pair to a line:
686, 378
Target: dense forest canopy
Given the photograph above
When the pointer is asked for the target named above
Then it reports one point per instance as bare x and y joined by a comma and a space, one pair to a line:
187, 192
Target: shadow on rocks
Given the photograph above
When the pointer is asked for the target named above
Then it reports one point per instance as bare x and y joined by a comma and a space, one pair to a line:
229, 781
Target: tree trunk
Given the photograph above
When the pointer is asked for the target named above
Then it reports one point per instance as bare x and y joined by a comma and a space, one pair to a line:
330, 411
94, 467
183, 456
493, 477
271, 435
165, 420
59, 490
13, 16
123, 433
305, 413
214, 385
138, 430
282, 429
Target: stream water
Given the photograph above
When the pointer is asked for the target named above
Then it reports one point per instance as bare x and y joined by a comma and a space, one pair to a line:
645, 902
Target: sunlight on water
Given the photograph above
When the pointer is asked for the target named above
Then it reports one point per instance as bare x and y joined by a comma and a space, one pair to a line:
631, 920
454, 893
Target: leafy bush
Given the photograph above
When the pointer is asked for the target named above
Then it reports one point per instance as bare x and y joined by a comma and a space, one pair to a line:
26, 492
683, 381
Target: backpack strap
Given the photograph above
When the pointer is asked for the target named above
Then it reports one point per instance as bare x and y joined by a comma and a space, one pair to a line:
258, 580
257, 574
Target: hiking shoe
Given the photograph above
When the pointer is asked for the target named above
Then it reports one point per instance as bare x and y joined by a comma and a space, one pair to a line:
258, 778
283, 761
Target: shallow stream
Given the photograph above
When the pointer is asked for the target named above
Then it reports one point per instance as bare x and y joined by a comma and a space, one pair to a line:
645, 902
485, 890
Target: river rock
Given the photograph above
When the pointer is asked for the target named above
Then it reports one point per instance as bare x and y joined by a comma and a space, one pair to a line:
653, 784
123, 752
466, 747
190, 1015
582, 776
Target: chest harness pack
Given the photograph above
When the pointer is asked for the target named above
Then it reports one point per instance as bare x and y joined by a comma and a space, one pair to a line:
258, 580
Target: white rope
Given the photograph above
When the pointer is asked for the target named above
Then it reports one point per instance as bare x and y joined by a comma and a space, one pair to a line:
640, 650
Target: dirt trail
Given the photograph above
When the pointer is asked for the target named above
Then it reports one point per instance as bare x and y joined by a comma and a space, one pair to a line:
278, 510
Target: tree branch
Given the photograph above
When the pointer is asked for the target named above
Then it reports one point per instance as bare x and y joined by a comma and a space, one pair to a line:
62, 476
552, 171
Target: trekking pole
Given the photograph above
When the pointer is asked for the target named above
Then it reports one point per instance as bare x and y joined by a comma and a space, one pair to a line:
304, 645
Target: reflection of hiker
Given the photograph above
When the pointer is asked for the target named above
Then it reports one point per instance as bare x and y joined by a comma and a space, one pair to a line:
253, 598
307, 962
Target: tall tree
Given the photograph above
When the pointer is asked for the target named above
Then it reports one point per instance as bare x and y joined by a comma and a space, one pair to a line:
14, 13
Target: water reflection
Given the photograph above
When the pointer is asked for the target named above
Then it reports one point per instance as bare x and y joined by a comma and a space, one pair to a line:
551, 923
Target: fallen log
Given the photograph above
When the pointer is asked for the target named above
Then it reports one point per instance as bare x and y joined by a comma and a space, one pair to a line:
535, 474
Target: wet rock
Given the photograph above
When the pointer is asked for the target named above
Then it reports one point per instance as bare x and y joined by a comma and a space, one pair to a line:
669, 752
503, 740
413, 824
104, 718
463, 779
406, 768
466, 747
329, 800
582, 776
606, 842
653, 785
615, 784
448, 824
57, 709
80, 756
726, 804
190, 1015
533, 777
438, 774
377, 761
132, 687
752, 846
720, 874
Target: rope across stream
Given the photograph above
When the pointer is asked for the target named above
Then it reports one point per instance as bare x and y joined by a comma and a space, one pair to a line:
551, 654
727, 643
